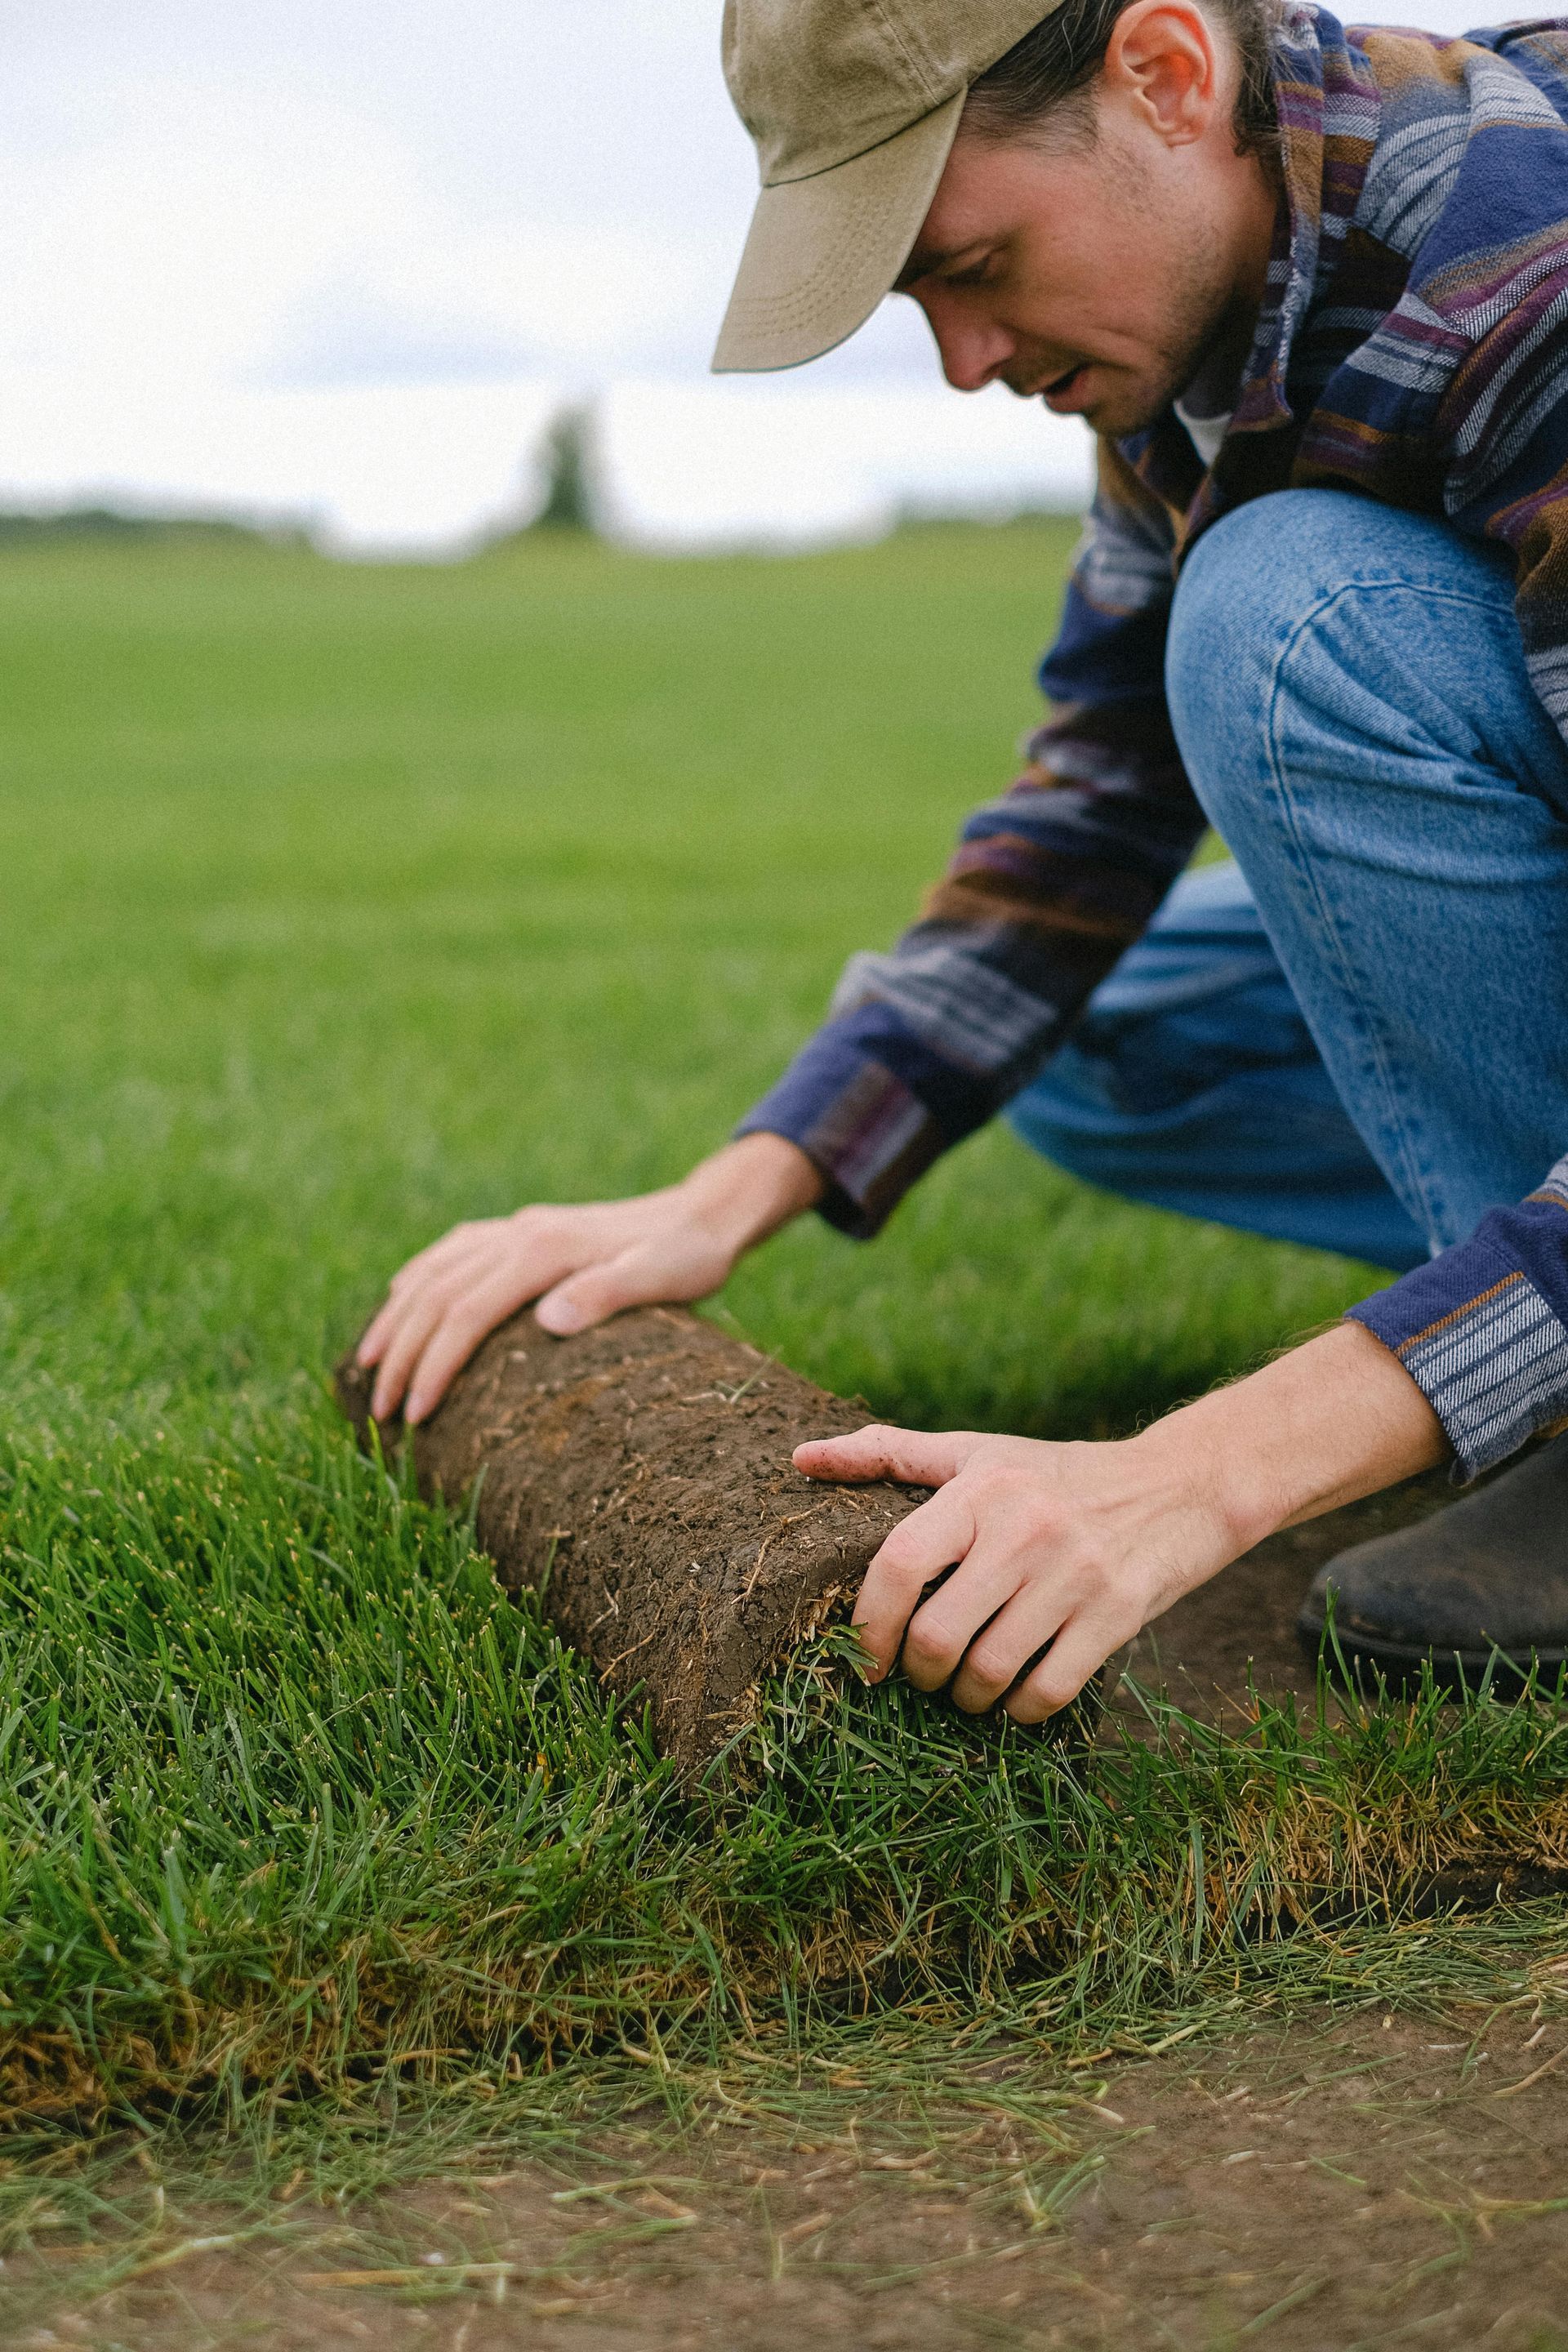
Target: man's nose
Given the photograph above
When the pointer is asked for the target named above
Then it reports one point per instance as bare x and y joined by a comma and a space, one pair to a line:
974, 350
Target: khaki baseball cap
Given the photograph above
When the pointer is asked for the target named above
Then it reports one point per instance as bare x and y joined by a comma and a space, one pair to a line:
854, 105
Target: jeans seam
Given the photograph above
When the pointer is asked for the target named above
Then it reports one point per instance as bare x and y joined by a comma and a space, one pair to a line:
1413, 1161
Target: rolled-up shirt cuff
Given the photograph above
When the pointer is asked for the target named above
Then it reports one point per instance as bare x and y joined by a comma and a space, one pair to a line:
861, 1124
1483, 1329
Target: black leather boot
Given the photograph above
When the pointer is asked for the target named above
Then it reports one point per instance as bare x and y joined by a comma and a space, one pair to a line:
1488, 1575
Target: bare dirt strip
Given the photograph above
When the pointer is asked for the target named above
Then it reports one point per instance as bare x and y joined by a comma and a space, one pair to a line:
1370, 2182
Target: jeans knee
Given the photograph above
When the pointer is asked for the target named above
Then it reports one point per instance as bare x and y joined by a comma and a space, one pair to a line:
1246, 584
1320, 607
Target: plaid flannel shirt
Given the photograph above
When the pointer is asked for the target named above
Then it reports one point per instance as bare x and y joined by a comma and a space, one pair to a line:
1413, 346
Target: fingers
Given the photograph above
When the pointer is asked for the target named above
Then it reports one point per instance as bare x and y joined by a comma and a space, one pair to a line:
408, 1329
376, 1341
637, 1276
958, 1619
444, 1301
397, 1310
453, 1294
910, 1454
443, 1261
372, 1344
578, 1304
931, 1540
1009, 1585
1002, 1649
1028, 1566
1080, 1648
464, 1241
426, 1333
467, 1319
463, 1244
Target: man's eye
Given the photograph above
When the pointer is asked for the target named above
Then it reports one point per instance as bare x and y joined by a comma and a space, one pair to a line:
976, 274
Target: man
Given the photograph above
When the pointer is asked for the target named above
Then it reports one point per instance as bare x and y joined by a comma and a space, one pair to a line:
1309, 288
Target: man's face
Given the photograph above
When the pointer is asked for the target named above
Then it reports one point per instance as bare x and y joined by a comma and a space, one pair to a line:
1096, 276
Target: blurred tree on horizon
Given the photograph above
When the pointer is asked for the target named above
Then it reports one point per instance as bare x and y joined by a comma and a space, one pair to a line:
568, 469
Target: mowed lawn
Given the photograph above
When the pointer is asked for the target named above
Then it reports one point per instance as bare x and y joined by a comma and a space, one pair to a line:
341, 903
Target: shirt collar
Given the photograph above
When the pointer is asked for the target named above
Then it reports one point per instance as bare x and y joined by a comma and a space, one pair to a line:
1328, 109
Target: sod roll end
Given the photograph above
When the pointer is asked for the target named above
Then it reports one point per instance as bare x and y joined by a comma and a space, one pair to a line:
640, 1474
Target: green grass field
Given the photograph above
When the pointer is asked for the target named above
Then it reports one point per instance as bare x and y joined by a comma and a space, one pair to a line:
343, 903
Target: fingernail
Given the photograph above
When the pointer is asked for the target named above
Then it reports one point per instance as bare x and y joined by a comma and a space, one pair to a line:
563, 1320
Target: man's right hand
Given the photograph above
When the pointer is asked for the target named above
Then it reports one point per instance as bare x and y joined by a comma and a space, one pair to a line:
581, 1263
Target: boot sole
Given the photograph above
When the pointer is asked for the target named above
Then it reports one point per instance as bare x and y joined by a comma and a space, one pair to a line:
1400, 1663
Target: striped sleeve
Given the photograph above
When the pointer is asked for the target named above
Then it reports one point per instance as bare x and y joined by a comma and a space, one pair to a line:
1049, 884
1483, 1330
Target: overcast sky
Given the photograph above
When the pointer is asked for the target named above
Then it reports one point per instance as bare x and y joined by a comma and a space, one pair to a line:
345, 257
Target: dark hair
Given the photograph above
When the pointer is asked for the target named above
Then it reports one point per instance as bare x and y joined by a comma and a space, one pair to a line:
1049, 72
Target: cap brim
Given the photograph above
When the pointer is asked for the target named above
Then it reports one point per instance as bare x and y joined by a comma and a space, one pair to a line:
823, 252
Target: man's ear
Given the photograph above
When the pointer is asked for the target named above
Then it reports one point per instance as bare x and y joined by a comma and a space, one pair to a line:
1163, 60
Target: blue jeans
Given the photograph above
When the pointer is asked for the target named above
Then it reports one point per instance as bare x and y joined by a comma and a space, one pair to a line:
1363, 1044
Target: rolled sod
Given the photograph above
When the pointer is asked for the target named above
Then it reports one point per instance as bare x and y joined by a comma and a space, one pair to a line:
640, 1475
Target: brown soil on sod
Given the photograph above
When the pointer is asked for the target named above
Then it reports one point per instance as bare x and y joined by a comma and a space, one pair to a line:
1319, 2188
643, 1471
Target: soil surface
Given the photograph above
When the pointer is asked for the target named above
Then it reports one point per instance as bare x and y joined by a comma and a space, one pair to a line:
1371, 2181
1240, 1627
642, 1472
